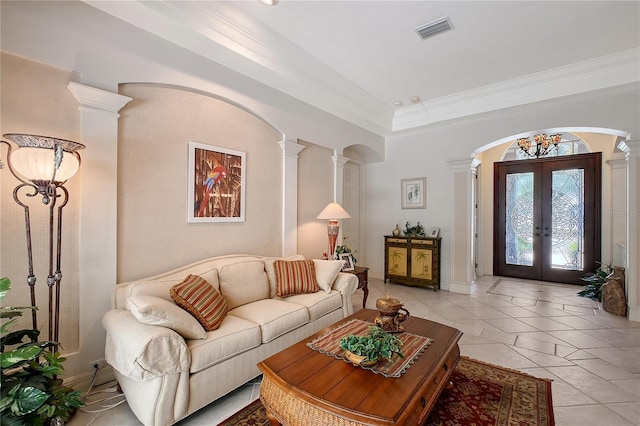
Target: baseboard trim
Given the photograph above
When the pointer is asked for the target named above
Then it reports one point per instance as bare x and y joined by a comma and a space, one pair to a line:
634, 313
462, 288
83, 381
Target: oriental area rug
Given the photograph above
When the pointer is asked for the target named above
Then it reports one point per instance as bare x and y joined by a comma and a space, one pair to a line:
482, 395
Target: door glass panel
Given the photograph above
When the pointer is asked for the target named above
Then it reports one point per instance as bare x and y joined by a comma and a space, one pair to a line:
567, 219
519, 219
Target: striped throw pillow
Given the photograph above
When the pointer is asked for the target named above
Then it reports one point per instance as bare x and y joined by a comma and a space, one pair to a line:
195, 295
295, 277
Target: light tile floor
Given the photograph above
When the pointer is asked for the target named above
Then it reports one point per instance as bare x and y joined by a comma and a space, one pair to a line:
543, 329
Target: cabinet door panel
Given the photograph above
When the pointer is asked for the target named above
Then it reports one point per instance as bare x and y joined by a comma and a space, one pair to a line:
422, 263
397, 261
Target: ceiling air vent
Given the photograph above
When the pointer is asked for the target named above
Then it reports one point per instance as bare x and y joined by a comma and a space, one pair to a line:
434, 27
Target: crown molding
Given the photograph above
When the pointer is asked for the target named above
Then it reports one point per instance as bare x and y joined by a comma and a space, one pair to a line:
240, 44
247, 47
599, 73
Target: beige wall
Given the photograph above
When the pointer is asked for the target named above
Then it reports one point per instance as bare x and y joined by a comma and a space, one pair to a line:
35, 100
154, 132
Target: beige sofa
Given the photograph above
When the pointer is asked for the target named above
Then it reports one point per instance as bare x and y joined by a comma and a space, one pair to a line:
166, 376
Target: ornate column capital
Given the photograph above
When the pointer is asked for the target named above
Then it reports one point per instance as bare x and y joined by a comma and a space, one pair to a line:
91, 97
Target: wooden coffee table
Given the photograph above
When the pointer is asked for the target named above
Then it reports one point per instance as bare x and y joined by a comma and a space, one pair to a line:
303, 387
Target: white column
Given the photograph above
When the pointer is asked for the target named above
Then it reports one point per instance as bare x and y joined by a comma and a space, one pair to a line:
338, 186
616, 213
632, 150
463, 174
98, 216
338, 177
290, 151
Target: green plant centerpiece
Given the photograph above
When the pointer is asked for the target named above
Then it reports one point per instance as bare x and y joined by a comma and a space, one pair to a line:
371, 348
31, 393
595, 281
413, 231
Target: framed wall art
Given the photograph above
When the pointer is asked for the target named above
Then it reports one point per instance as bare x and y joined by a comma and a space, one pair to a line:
434, 232
413, 193
216, 184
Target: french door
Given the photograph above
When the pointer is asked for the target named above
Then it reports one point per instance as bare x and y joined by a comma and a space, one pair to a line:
547, 218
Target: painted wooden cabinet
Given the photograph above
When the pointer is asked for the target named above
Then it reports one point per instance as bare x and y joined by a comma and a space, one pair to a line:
413, 261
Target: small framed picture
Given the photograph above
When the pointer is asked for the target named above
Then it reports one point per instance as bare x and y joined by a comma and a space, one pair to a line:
413, 193
434, 232
348, 261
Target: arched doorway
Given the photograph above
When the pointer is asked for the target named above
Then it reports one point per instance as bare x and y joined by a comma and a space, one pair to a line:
613, 190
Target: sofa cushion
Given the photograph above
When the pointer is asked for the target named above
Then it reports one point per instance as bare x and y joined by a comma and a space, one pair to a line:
200, 299
234, 336
295, 277
157, 311
159, 286
271, 272
326, 272
243, 282
275, 317
319, 303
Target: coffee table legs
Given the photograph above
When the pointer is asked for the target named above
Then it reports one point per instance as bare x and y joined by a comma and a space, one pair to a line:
272, 420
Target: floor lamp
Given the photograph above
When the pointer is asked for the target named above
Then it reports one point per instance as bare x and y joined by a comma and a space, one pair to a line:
43, 165
333, 212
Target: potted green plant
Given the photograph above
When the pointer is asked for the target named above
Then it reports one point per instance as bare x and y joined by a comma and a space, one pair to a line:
31, 392
371, 348
413, 231
595, 280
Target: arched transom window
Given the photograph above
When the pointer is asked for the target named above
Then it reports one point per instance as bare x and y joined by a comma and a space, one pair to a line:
568, 145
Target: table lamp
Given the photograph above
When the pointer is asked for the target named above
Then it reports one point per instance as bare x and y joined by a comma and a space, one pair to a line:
333, 212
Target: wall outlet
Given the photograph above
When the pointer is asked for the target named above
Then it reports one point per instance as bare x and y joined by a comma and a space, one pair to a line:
98, 364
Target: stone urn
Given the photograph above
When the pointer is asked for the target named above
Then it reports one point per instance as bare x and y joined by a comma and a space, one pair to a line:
391, 315
614, 299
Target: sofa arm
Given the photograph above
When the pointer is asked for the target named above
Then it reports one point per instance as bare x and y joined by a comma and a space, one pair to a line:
347, 284
141, 351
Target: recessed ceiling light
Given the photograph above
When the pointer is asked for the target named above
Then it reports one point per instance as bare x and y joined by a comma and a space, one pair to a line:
398, 103
415, 99
269, 2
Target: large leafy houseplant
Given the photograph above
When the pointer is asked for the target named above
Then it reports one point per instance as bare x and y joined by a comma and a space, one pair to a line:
595, 281
31, 393
376, 345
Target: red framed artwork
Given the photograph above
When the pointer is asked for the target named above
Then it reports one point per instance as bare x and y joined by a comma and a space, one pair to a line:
216, 184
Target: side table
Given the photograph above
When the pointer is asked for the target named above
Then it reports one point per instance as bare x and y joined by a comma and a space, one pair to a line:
362, 272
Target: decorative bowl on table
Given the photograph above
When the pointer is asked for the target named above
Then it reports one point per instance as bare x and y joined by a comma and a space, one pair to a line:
369, 349
389, 317
360, 360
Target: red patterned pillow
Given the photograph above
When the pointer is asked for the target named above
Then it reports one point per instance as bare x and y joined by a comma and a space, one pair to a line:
195, 295
295, 277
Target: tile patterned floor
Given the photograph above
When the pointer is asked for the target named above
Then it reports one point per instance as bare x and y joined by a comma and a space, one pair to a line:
543, 329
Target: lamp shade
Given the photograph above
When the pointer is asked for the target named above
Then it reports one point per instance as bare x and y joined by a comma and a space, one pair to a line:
37, 164
333, 211
35, 158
